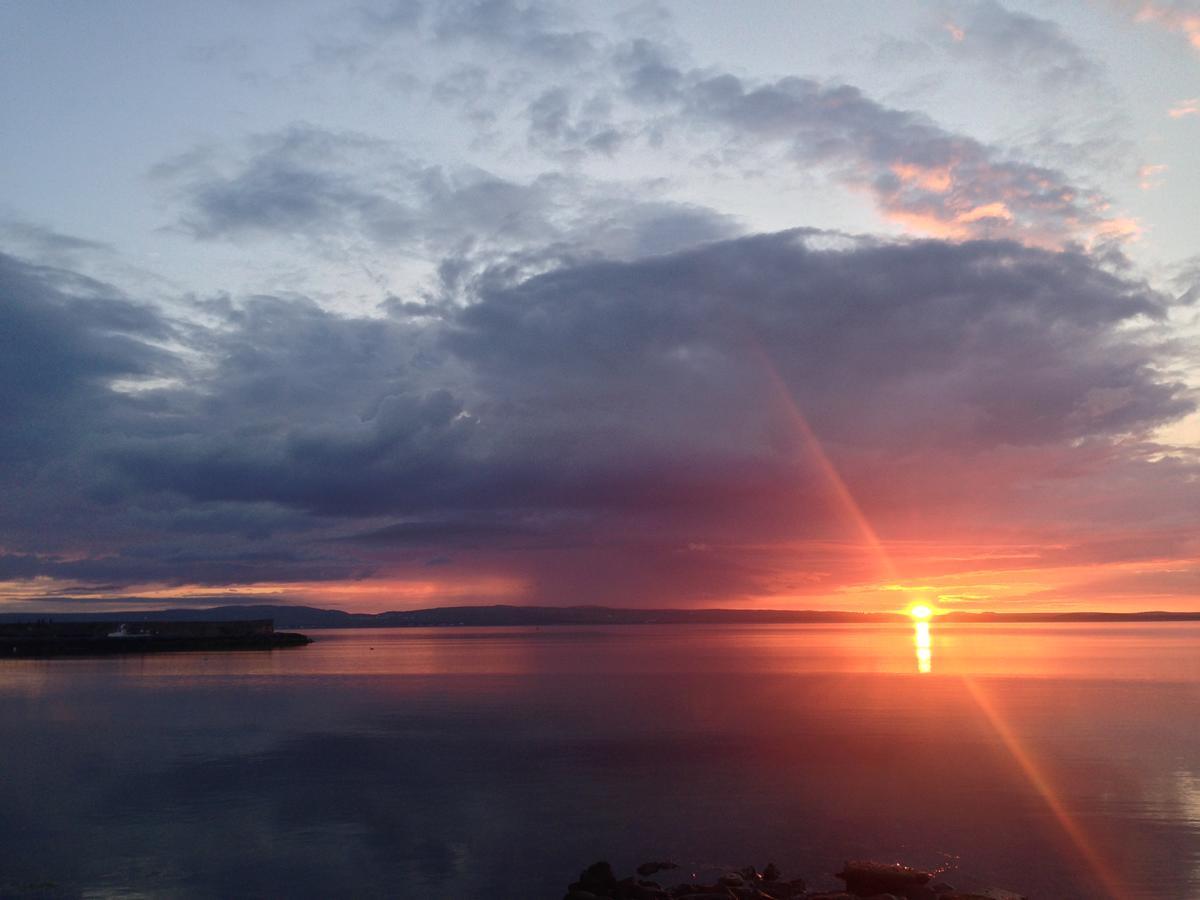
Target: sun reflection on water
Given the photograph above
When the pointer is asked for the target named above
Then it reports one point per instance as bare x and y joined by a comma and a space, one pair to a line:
923, 645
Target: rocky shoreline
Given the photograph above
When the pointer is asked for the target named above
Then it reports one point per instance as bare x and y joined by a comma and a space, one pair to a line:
863, 879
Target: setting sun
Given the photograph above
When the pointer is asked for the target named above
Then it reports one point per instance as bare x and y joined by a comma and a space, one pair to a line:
920, 611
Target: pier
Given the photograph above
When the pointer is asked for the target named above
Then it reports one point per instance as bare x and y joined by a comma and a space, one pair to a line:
57, 638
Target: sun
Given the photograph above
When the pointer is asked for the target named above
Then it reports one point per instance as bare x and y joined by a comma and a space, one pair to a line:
920, 611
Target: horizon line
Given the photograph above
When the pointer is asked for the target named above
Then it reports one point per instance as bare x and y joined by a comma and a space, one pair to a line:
944, 614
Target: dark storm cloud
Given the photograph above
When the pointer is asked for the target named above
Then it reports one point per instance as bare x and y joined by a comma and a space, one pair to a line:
309, 409
64, 339
974, 344
444, 533
179, 565
630, 410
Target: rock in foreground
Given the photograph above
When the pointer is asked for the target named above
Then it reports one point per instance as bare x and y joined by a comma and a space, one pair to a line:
864, 879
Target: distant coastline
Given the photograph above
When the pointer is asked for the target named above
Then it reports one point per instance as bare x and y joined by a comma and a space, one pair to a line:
497, 616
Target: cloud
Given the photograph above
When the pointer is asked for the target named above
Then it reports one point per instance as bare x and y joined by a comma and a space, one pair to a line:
180, 565
345, 195
1071, 117
1181, 17
1185, 108
394, 15
554, 119
333, 188
297, 181
1150, 176
444, 533
65, 341
638, 416
530, 29
49, 246
920, 175
638, 99
1018, 44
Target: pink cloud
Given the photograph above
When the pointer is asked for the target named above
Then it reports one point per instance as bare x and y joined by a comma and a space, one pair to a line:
1172, 17
1190, 107
995, 211
938, 179
1149, 176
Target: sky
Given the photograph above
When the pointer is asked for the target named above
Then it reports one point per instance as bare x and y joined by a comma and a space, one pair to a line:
795, 305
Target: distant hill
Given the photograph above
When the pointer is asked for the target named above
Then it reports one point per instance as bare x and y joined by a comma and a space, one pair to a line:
312, 617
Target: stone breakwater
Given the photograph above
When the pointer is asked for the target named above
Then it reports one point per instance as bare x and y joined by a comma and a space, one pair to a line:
48, 639
864, 879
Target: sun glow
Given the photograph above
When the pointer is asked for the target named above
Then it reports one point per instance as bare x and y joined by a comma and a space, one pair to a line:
920, 611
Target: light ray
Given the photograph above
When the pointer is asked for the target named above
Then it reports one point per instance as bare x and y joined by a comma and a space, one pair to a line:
1032, 771
837, 485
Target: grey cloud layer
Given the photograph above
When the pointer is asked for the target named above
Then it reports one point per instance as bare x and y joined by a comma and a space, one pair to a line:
640, 93
938, 181
335, 192
1017, 43
536, 86
596, 413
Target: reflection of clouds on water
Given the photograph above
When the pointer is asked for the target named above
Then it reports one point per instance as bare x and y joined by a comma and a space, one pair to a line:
924, 647
1187, 790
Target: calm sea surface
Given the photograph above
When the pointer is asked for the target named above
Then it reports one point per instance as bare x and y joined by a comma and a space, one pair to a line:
1060, 760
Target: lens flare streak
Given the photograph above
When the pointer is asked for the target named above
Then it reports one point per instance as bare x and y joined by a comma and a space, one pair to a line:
837, 485
922, 641
1037, 778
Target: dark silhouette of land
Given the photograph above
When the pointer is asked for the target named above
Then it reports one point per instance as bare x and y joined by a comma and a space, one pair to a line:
312, 617
76, 637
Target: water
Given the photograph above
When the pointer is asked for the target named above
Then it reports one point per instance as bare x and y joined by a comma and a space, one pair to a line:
1061, 760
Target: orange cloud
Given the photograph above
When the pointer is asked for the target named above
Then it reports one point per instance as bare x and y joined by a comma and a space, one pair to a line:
966, 195
985, 211
1148, 176
1121, 228
928, 225
931, 178
1183, 108
1171, 18
956, 33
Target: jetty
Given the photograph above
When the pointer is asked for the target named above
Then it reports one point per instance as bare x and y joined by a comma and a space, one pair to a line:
43, 638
